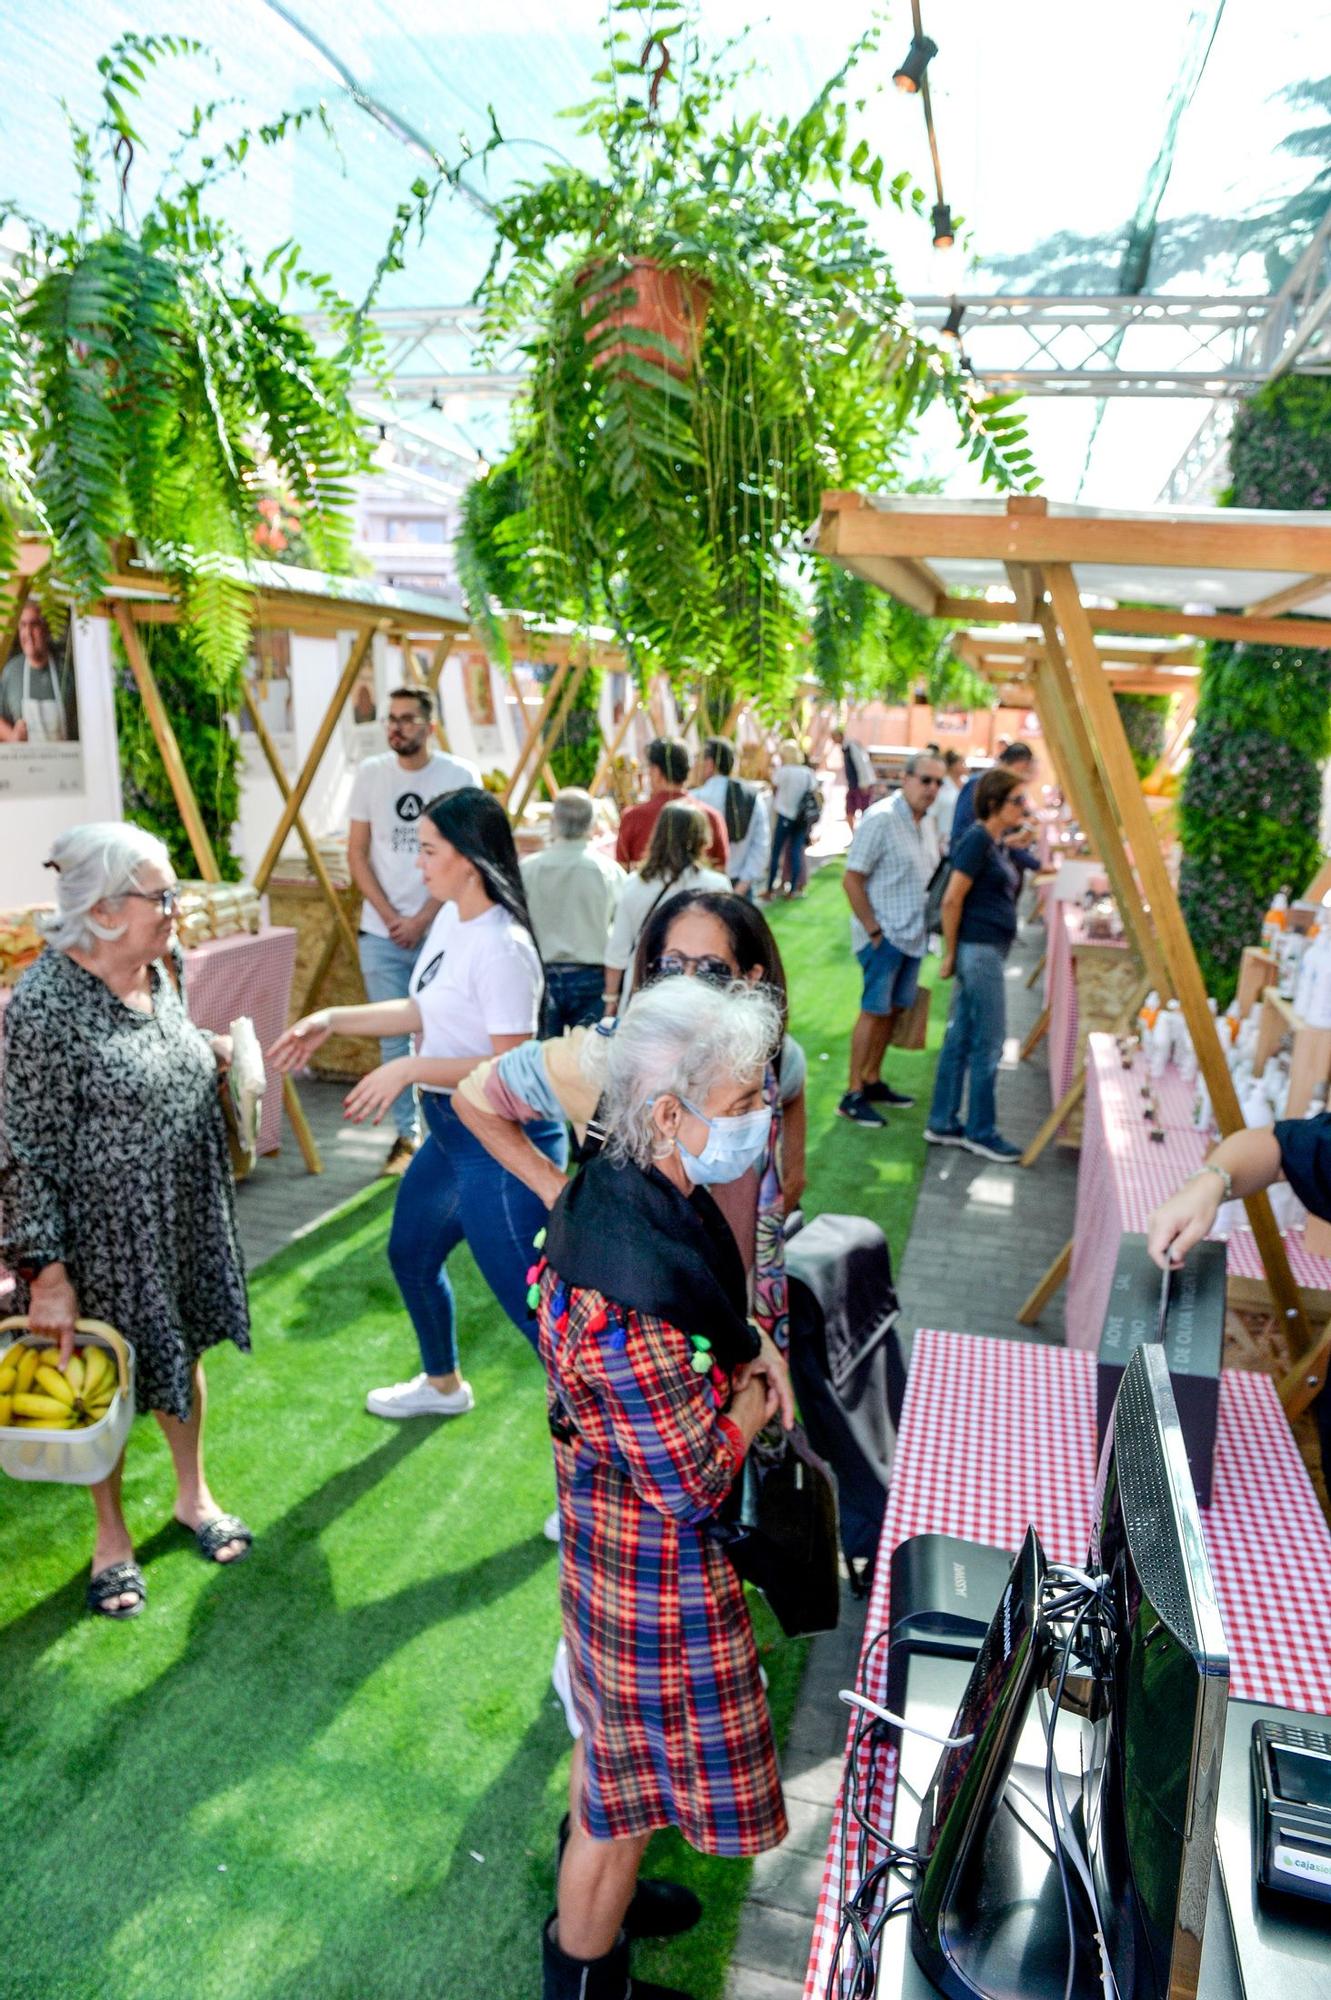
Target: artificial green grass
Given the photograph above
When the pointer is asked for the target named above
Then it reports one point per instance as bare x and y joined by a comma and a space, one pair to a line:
335, 1772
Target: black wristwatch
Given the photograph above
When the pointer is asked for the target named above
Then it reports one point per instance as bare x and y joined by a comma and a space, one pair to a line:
874, 937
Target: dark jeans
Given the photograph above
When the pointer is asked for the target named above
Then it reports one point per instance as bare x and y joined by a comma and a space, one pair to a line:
973, 1042
792, 833
453, 1190
572, 998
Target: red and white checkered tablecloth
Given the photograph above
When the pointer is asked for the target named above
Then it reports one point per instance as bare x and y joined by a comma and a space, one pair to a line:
246, 975
1123, 1174
999, 1434
1066, 927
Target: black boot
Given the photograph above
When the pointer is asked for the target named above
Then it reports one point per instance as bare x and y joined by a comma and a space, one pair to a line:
608, 1978
658, 1910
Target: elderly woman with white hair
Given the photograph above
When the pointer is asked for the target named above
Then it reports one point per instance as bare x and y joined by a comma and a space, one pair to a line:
115, 1182
658, 1382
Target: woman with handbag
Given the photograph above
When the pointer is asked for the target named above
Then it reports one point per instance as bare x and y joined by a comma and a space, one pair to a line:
115, 1181
658, 1383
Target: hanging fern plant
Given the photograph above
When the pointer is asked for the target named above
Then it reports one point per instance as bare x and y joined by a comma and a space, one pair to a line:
154, 386
715, 338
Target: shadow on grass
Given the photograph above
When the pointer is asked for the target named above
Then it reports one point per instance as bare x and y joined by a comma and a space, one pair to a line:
471, 1932
269, 1659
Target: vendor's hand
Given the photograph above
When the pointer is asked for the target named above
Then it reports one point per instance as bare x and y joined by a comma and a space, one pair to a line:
296, 1044
53, 1308
1186, 1218
222, 1050
947, 965
769, 1366
374, 1094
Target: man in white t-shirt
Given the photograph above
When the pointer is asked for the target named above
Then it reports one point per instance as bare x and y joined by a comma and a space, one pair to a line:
387, 799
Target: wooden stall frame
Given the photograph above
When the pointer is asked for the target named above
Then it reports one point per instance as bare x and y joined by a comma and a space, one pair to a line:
1079, 704
188, 807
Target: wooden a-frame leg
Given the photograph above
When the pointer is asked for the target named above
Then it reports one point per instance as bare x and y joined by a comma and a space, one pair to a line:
1055, 1276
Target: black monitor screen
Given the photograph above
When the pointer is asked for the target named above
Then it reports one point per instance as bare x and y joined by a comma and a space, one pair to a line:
969, 1779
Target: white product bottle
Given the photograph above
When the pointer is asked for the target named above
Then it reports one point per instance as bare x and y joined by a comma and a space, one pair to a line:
1316, 987
1185, 1055
1160, 1044
1274, 922
1201, 1107
1256, 1106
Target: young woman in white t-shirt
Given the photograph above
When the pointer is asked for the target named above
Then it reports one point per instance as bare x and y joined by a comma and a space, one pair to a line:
476, 991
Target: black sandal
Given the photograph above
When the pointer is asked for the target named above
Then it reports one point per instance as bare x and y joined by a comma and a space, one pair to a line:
117, 1580
210, 1536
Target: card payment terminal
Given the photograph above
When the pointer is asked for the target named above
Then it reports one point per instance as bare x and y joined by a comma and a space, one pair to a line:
1291, 1776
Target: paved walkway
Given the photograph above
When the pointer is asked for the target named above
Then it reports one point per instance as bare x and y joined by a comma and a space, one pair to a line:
981, 1236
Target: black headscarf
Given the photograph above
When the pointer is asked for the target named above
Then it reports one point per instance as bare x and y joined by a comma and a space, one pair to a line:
628, 1232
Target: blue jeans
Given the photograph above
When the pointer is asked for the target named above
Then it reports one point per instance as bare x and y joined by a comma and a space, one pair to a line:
386, 969
453, 1190
572, 998
974, 1042
794, 833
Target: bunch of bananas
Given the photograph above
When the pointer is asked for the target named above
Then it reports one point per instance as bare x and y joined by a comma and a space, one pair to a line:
35, 1395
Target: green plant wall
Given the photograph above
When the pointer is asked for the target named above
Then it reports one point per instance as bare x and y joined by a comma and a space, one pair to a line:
1145, 719
1251, 807
577, 748
199, 709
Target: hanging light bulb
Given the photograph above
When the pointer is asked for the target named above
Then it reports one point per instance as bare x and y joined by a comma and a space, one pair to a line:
918, 58
944, 234
385, 451
951, 327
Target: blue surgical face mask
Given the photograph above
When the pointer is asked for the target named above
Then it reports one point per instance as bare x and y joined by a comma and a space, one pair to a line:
733, 1144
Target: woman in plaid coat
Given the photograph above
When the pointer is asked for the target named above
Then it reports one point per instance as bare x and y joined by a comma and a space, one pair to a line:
658, 1384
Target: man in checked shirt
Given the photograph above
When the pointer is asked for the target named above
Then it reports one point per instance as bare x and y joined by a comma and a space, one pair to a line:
893, 855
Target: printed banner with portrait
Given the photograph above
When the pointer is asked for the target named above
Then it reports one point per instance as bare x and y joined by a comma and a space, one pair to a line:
40, 752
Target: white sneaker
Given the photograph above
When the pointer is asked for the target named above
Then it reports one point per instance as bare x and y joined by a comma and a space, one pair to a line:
420, 1398
550, 1526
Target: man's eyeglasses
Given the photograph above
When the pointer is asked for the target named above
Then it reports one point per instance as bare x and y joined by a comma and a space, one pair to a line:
167, 900
929, 781
406, 722
672, 963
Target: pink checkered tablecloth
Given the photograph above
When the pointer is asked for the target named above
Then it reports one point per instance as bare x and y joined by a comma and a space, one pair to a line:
999, 1434
1067, 927
1123, 1174
247, 975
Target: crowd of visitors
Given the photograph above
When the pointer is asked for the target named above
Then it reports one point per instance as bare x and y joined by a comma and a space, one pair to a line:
637, 1006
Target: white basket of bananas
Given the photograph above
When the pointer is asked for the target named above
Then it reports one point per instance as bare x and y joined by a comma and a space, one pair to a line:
71, 1424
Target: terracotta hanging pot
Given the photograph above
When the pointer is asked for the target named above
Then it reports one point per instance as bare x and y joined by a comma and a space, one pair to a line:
668, 302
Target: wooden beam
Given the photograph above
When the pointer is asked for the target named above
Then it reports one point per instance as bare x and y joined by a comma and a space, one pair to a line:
1320, 883
1027, 588
1221, 541
1094, 807
1055, 1276
1057, 1118
1293, 594
1314, 633
178, 777
296, 797
1167, 920
556, 723
907, 582
300, 1125
1036, 1035
341, 921
606, 761
534, 743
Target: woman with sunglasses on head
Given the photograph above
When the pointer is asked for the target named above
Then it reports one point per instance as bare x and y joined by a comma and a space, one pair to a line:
476, 992
979, 925
115, 1181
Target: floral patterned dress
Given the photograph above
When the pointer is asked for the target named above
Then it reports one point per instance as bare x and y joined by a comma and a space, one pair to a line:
113, 1161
